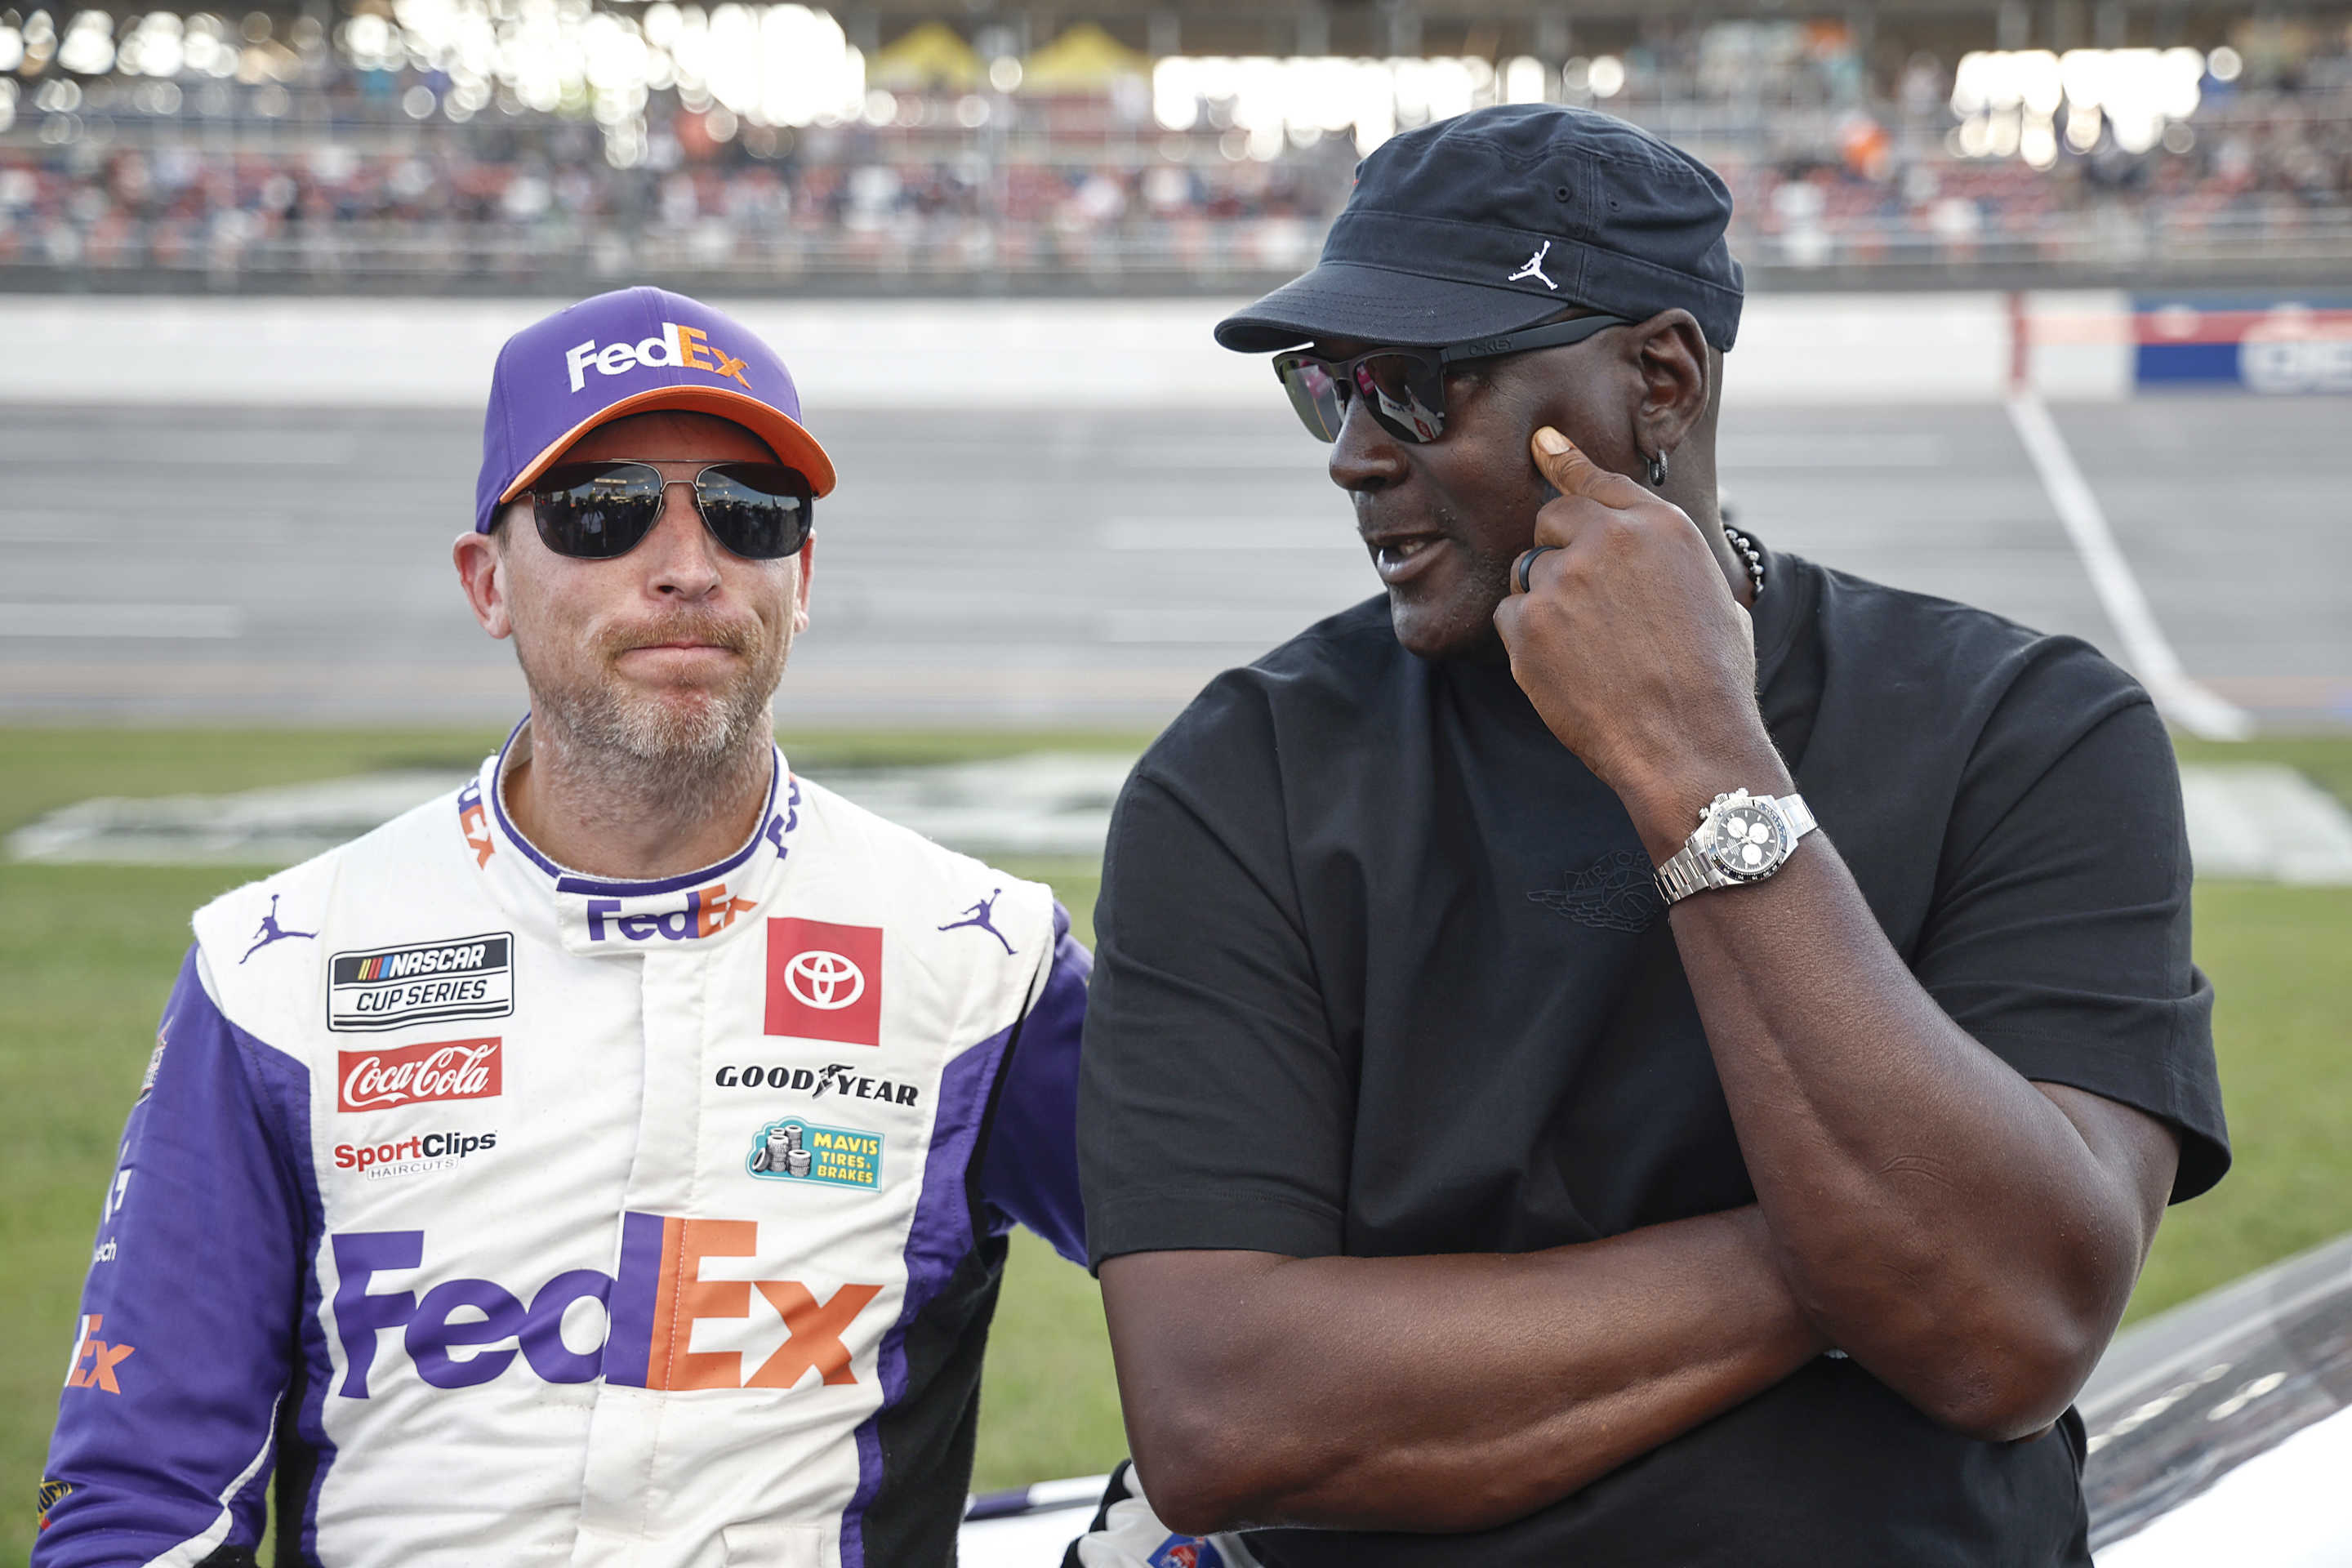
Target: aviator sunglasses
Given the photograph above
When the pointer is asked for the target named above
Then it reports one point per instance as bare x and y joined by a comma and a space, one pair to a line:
595, 511
1404, 388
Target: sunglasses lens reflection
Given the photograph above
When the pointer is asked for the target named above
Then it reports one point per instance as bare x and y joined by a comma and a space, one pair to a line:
762, 510
596, 510
1314, 393
1405, 395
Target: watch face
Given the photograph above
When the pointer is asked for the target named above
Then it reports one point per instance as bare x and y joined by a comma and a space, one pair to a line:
1748, 841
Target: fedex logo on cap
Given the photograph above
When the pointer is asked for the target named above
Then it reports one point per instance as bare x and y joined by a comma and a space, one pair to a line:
633, 350
675, 347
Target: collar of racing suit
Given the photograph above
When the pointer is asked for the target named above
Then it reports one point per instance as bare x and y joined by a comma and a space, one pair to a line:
597, 917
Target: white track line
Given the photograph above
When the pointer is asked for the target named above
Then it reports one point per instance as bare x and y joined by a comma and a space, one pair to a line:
2145, 649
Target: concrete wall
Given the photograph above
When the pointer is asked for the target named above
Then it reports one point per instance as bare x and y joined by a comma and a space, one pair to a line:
428, 353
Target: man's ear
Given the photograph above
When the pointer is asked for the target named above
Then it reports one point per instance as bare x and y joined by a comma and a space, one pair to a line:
801, 589
1676, 381
481, 562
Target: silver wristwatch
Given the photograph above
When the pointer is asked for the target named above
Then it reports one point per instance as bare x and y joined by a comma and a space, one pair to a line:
1741, 838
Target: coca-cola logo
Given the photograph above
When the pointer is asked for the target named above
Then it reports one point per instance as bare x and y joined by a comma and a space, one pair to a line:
412, 1075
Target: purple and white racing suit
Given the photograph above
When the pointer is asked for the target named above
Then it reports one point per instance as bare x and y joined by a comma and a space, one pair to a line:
513, 1216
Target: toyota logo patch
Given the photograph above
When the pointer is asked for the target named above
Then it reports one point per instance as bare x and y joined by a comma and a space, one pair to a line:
825, 981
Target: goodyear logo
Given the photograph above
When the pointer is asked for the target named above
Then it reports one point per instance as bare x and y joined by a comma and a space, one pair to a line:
677, 347
794, 1150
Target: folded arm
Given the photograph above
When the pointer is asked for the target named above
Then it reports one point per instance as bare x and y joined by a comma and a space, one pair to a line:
1967, 1235
1436, 1394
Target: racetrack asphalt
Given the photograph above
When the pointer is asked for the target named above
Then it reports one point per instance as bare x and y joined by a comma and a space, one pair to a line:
1042, 567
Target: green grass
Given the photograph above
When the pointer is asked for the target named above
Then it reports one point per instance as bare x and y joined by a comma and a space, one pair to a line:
2283, 995
86, 953
2327, 759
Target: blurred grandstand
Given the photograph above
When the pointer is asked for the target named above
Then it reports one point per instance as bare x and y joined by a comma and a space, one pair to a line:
487, 145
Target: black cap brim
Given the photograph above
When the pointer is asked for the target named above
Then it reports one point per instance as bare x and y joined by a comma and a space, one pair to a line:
1379, 305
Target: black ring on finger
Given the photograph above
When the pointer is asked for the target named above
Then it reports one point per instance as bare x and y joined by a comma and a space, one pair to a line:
1526, 565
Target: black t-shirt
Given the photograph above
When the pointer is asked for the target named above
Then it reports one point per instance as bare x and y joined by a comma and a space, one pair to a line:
1380, 972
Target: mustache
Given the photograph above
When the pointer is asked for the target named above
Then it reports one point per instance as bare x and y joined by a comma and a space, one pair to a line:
686, 626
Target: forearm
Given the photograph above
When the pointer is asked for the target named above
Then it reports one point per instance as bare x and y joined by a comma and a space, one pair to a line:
1950, 1225
1450, 1393
1940, 1219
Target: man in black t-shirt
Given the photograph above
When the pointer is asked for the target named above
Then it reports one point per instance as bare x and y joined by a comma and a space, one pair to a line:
1462, 1191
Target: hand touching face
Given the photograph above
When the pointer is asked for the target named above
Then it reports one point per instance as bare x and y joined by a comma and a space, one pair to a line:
1628, 641
1444, 519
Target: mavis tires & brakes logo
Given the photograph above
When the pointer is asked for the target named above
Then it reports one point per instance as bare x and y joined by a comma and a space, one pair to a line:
792, 1150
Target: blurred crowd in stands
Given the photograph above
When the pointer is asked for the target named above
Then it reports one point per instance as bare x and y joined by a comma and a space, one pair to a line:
298, 160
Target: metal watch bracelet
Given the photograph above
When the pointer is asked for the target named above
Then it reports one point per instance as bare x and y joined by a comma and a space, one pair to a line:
1692, 869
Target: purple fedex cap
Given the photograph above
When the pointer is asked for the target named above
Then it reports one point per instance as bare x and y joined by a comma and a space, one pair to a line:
631, 352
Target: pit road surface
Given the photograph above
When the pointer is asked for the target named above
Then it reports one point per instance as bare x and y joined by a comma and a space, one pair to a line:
1083, 567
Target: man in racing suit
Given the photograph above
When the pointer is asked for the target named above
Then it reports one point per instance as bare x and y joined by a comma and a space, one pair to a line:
607, 1162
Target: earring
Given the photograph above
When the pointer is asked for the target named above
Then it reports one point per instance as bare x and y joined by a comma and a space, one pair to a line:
1658, 471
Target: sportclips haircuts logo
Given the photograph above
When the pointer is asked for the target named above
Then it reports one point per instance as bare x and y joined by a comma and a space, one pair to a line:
411, 1156
652, 1309
410, 1075
390, 987
677, 347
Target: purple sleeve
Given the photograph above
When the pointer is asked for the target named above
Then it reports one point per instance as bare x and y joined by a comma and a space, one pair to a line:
1029, 1171
187, 1337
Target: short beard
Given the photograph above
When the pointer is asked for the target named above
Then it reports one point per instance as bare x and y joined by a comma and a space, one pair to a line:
1469, 635
680, 759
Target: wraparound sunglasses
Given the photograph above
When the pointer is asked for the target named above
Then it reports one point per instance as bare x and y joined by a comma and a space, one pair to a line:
596, 512
1404, 389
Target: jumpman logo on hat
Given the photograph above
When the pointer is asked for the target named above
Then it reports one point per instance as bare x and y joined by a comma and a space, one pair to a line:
978, 915
1534, 269
270, 931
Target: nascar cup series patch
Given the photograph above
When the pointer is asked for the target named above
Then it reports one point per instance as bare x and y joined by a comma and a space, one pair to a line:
426, 983
795, 1150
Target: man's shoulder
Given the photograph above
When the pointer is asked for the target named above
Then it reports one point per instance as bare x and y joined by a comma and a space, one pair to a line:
1966, 667
263, 948
1325, 681
865, 849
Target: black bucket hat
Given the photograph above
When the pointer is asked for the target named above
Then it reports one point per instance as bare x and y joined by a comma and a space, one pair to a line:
1493, 220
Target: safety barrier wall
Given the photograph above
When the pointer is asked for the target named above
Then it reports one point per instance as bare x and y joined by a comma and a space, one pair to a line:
1141, 353
2260, 343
